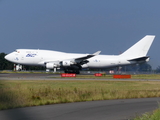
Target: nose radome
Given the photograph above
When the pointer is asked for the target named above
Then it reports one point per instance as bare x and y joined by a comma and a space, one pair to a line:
7, 57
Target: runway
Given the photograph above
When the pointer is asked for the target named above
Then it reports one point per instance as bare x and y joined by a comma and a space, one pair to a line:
121, 109
48, 76
94, 110
27, 76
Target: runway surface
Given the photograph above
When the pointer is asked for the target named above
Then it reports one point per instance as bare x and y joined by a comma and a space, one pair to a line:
27, 76
44, 76
122, 109
95, 110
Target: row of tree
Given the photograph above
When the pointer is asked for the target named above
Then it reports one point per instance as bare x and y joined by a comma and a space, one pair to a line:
6, 65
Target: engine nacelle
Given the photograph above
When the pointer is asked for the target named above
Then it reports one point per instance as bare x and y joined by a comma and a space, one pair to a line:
51, 65
67, 63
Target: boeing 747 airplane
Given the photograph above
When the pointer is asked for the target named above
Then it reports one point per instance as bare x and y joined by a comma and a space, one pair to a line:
73, 63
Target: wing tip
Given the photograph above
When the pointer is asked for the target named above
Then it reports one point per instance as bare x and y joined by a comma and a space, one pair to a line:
97, 53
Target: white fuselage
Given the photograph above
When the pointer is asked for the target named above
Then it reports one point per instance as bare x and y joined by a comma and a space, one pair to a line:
40, 57
72, 62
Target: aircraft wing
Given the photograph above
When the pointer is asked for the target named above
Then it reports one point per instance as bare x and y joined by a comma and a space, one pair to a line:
83, 60
77, 61
88, 56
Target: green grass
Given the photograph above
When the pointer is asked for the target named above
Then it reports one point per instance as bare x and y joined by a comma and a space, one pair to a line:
149, 116
17, 93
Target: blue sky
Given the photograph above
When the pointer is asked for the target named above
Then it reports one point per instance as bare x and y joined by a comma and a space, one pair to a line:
79, 26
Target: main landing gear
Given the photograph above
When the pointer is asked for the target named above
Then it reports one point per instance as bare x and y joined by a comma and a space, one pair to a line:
72, 71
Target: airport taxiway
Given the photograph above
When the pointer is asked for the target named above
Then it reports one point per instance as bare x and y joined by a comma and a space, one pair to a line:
121, 109
47, 76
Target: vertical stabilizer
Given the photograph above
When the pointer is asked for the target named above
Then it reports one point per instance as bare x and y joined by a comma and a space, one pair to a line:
140, 49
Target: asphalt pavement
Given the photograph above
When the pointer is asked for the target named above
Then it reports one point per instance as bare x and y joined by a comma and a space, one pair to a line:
122, 109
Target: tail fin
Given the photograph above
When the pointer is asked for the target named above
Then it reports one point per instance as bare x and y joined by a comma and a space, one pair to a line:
140, 49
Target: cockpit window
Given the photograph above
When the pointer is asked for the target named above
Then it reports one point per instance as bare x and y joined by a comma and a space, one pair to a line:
16, 51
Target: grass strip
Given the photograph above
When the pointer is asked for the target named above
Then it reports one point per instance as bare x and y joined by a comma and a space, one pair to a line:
17, 93
149, 116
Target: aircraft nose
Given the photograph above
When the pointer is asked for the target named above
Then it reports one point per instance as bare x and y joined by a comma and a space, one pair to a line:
8, 57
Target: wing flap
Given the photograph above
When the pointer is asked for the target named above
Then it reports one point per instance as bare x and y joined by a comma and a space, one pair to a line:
88, 56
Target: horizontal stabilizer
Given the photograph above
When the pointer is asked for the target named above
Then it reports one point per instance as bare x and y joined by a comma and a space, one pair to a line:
140, 59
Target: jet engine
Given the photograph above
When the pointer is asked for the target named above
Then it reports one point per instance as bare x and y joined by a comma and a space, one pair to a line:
51, 65
67, 63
